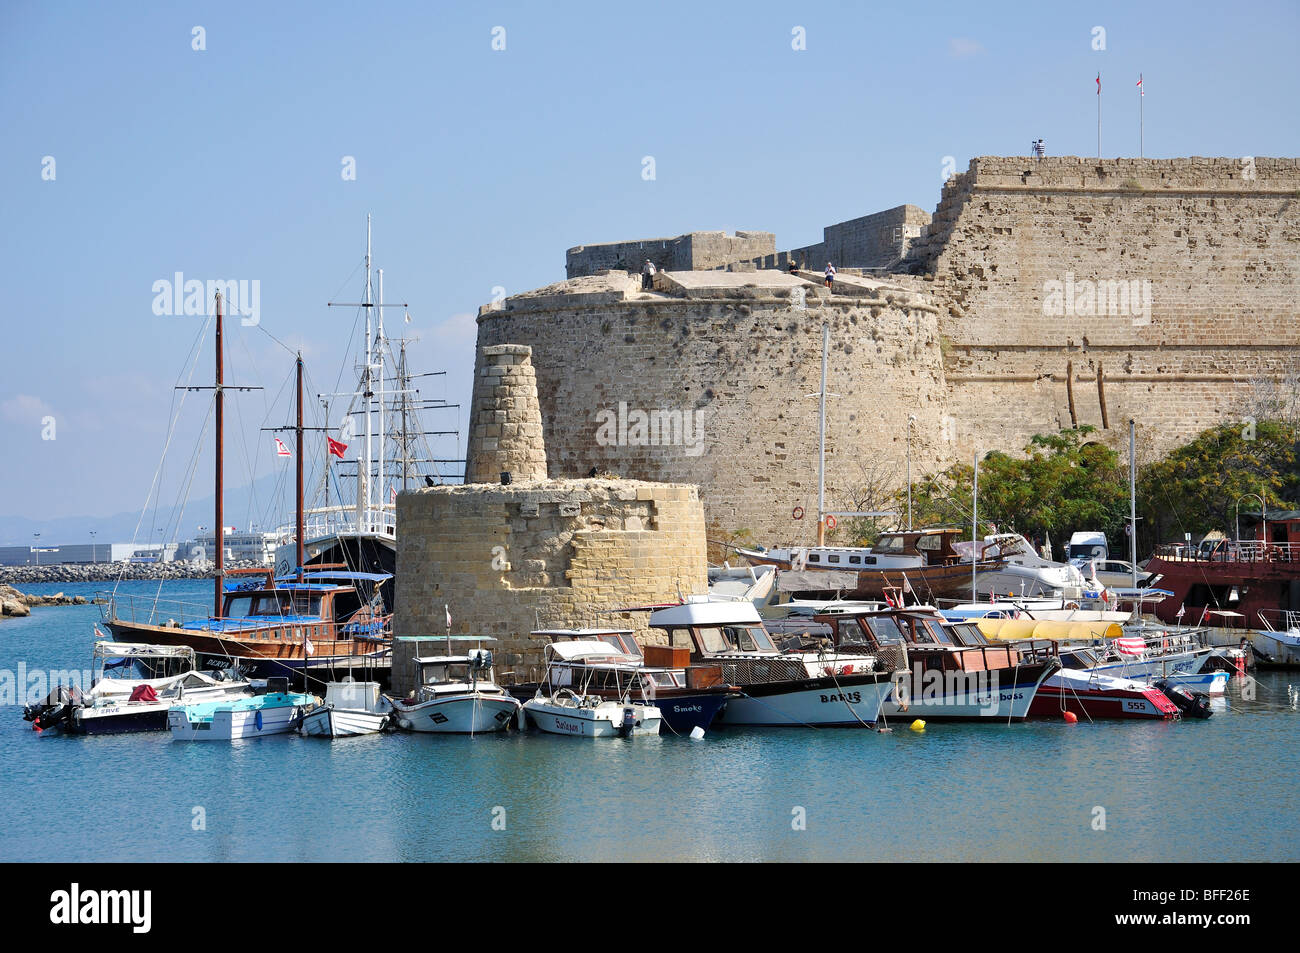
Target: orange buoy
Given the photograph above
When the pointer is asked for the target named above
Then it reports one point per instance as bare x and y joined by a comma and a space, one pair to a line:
1071, 718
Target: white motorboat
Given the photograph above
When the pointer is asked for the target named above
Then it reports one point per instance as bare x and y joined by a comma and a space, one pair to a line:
455, 694
275, 711
164, 676
575, 711
350, 708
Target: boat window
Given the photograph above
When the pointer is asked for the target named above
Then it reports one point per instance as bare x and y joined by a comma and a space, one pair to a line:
965, 633
814, 558
936, 631
681, 639
890, 544
237, 607
885, 629
871, 560
833, 558
855, 560
927, 544
735, 638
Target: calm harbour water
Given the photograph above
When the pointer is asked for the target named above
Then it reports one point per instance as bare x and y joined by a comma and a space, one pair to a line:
1215, 790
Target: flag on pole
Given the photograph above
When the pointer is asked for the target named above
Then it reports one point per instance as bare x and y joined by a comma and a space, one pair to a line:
1141, 91
307, 646
448, 608
280, 449
1130, 645
1098, 84
392, 493
336, 448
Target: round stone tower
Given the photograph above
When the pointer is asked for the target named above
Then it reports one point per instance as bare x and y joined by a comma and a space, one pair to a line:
505, 425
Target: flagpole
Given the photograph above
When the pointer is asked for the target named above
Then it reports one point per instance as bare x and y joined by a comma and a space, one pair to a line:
1099, 115
1142, 99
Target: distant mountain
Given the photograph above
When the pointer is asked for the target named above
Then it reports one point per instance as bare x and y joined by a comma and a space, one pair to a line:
17, 530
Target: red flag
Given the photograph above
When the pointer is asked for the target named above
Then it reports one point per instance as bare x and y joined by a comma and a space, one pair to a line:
336, 448
280, 449
1141, 92
1098, 84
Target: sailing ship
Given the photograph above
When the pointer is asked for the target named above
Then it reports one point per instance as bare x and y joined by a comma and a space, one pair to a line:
383, 425
275, 627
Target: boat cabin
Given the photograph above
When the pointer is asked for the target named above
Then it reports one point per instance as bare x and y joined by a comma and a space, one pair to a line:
925, 636
935, 545
714, 629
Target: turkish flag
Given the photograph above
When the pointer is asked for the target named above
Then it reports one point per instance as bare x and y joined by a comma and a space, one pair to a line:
336, 448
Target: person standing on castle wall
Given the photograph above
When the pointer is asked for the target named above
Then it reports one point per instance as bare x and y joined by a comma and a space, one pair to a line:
793, 266
830, 274
648, 275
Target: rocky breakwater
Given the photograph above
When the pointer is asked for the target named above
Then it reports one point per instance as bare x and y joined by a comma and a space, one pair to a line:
112, 572
15, 603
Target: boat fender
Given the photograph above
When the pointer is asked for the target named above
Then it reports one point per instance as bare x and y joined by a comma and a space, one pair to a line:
1071, 718
918, 726
257, 720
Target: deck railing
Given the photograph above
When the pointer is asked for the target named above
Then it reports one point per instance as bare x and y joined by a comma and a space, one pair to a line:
146, 610
1232, 551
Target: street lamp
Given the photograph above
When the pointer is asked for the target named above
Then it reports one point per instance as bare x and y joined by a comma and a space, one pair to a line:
36, 542
93, 558
1262, 515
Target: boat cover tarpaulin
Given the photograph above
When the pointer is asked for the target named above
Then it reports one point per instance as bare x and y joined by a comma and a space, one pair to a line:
143, 693
1008, 630
817, 580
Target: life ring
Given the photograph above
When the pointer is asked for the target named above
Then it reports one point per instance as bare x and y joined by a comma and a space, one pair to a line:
798, 513
831, 522
1072, 605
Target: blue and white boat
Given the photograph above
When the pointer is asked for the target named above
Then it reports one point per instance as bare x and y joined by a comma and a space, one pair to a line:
275, 712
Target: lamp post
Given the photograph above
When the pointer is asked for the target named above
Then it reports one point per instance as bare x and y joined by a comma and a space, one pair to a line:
93, 554
1262, 511
36, 542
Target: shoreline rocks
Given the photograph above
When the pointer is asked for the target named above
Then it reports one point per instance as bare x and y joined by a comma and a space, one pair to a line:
111, 572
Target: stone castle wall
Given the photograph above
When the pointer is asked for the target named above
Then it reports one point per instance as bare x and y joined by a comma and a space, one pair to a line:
508, 560
872, 241
694, 251
1174, 281
505, 425
996, 334
727, 371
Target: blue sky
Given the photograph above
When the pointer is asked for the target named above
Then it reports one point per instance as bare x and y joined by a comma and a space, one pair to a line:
482, 166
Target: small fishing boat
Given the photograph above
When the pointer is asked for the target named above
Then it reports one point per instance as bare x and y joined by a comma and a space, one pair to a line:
689, 697
349, 708
575, 710
455, 694
274, 710
1093, 695
133, 687
819, 687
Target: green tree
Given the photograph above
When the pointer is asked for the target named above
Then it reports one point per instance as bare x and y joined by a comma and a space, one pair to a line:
1197, 487
1064, 482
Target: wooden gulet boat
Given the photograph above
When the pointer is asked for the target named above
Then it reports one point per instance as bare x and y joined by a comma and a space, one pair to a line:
309, 622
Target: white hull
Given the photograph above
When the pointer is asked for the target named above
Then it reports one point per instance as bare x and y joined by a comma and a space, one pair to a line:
602, 721
813, 706
468, 714
1183, 663
329, 721
233, 725
1009, 704
1212, 683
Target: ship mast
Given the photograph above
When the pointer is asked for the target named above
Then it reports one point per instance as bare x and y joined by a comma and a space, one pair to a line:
219, 526
298, 522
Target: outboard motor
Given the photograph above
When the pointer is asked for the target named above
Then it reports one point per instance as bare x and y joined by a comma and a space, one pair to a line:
629, 722
55, 710
1190, 704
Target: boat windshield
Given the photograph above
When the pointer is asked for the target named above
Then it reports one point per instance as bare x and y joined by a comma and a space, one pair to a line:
735, 638
272, 603
967, 633
1078, 658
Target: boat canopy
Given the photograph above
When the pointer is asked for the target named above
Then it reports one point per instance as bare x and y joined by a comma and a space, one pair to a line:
1009, 630
339, 574
583, 649
106, 649
706, 613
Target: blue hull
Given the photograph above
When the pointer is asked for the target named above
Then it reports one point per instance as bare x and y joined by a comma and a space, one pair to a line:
124, 724
683, 713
